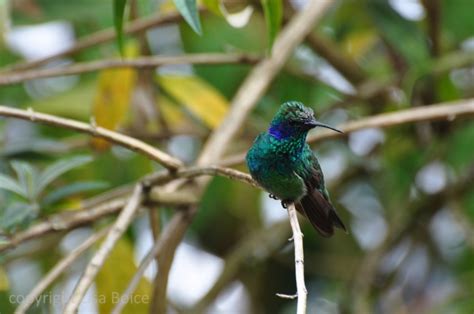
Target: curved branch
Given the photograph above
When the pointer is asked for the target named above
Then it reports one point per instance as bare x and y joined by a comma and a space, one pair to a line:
123, 140
142, 62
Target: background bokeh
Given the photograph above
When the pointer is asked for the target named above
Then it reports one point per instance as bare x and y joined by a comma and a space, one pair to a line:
405, 192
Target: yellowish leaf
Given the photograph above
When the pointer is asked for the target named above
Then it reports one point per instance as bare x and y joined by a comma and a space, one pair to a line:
199, 97
213, 5
114, 277
112, 99
359, 43
169, 110
4, 283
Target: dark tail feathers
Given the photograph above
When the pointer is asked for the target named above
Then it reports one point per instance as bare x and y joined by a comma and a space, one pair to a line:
320, 213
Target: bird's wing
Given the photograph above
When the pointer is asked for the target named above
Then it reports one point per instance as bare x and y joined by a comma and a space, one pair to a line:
315, 204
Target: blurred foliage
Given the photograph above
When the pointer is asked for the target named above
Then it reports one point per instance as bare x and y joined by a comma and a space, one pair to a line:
375, 179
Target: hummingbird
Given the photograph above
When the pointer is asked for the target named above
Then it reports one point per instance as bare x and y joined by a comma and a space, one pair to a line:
282, 162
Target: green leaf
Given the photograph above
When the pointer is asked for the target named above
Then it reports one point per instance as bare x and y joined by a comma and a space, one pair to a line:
8, 183
27, 177
71, 189
188, 9
60, 167
17, 214
119, 11
273, 12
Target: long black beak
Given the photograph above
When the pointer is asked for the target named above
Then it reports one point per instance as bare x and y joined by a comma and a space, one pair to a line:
314, 123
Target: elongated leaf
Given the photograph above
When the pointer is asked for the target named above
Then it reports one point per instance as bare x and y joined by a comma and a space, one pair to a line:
60, 167
16, 215
188, 9
119, 11
113, 95
71, 189
272, 9
8, 183
27, 177
198, 96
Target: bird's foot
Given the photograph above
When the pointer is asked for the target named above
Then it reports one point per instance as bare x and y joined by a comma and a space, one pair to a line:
272, 196
284, 204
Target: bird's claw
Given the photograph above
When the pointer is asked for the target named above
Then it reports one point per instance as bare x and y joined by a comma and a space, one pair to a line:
272, 196
284, 205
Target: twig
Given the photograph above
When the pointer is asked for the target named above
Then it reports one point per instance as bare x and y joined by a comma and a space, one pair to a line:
119, 227
57, 270
302, 293
192, 172
142, 62
152, 254
444, 111
97, 131
433, 10
102, 37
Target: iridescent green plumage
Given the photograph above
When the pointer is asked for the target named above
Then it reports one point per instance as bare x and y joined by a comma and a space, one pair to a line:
282, 162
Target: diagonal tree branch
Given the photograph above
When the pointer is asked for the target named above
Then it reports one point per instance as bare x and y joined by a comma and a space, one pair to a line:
119, 227
140, 63
123, 140
57, 270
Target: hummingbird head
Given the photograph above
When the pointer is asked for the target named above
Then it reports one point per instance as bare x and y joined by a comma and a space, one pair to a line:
294, 119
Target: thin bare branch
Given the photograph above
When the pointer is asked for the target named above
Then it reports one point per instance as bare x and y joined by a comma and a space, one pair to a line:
57, 270
140, 63
119, 227
103, 36
302, 293
192, 172
97, 131
444, 111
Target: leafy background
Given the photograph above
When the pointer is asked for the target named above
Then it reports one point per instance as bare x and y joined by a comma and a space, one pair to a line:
410, 247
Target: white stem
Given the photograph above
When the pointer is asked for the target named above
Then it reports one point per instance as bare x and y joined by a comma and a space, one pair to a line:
299, 260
